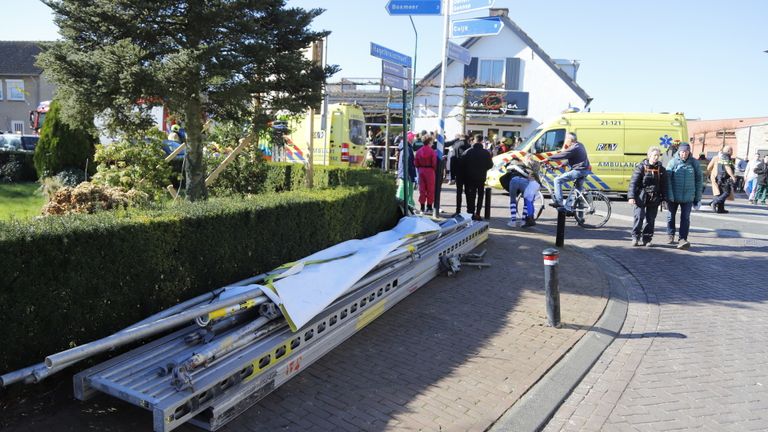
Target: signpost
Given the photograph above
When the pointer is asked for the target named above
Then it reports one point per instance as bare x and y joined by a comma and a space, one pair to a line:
487, 26
459, 53
396, 72
413, 7
462, 6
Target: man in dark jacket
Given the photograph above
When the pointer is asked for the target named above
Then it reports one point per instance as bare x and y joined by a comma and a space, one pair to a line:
646, 191
475, 164
460, 147
576, 155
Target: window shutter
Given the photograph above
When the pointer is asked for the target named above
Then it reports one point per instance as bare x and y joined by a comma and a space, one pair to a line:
513, 74
470, 71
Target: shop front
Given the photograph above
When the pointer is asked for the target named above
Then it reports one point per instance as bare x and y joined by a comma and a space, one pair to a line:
497, 114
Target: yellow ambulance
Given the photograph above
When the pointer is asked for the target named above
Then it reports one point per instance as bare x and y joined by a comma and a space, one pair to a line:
615, 143
341, 142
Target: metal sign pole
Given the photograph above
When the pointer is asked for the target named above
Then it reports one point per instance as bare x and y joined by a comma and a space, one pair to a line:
406, 170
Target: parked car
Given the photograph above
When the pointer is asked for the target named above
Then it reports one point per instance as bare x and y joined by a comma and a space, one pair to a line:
15, 142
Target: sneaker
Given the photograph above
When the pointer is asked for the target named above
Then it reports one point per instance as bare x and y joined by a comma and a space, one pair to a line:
512, 224
648, 243
671, 239
684, 245
635, 242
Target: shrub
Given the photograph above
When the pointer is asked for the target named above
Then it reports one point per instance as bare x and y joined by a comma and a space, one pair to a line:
133, 164
71, 177
17, 167
61, 146
68, 280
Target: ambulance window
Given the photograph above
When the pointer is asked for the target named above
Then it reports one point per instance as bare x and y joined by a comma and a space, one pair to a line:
357, 132
551, 141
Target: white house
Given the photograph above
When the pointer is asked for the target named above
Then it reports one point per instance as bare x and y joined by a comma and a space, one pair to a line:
514, 87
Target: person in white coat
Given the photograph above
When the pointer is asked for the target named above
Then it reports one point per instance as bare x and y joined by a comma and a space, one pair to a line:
750, 178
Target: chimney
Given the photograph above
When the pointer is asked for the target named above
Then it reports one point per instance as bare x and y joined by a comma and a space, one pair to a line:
498, 12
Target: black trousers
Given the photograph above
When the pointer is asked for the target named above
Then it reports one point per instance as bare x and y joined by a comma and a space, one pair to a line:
725, 190
459, 193
475, 196
645, 222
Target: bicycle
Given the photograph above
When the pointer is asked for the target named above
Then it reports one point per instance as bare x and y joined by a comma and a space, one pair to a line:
590, 208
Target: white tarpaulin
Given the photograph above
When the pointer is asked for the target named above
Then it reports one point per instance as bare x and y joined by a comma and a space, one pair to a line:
314, 282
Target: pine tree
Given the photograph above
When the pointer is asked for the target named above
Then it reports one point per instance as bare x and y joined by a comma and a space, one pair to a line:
225, 59
61, 146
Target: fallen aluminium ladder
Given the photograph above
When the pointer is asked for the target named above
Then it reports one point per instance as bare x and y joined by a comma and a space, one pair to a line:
234, 383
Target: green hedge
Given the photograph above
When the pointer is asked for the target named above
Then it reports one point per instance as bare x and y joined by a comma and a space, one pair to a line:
244, 177
69, 280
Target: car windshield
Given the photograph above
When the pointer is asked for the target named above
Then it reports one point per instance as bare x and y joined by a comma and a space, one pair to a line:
527, 140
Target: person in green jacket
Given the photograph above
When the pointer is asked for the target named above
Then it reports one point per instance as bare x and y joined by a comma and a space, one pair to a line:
683, 191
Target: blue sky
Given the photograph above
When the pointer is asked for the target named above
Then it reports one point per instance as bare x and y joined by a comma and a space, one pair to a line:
705, 58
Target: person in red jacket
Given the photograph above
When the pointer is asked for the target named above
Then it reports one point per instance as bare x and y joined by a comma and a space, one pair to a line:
426, 164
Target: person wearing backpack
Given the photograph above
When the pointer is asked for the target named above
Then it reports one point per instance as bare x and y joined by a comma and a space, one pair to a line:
646, 192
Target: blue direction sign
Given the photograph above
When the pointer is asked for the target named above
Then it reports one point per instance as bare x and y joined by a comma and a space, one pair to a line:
395, 69
390, 55
413, 7
488, 26
459, 53
397, 106
461, 6
396, 82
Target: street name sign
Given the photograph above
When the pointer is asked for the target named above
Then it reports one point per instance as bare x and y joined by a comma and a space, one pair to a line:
395, 69
396, 82
413, 7
462, 6
487, 26
459, 53
390, 55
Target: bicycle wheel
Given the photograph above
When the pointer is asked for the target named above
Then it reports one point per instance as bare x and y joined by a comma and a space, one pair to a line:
592, 209
538, 204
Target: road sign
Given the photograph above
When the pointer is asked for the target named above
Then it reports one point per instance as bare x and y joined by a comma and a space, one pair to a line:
398, 106
488, 26
395, 69
459, 53
461, 6
413, 7
390, 55
396, 82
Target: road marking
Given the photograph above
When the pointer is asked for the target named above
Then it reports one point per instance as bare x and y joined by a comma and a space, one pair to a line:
741, 234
